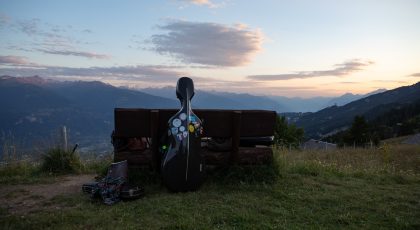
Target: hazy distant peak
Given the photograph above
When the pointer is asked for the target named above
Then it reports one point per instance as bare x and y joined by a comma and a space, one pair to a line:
348, 94
33, 80
376, 92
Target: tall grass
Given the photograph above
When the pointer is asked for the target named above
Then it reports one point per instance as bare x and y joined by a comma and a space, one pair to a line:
57, 160
340, 189
391, 159
19, 172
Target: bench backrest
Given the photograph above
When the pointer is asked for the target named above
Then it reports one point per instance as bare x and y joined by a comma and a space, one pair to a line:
216, 123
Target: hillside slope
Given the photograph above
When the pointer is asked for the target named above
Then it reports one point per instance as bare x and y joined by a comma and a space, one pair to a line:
335, 118
33, 109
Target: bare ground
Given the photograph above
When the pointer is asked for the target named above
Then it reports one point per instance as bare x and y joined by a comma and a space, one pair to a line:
22, 199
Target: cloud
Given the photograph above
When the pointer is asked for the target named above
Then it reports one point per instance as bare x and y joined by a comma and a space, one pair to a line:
347, 82
35, 28
4, 20
415, 75
139, 75
340, 70
75, 53
208, 43
30, 27
390, 81
51, 39
88, 31
12, 65
207, 3
11, 60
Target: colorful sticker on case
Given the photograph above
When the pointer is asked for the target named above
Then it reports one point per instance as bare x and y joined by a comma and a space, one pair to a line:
181, 128
192, 118
176, 122
174, 130
179, 136
183, 116
185, 134
191, 128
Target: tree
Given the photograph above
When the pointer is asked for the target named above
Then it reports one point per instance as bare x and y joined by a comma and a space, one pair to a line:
287, 134
360, 133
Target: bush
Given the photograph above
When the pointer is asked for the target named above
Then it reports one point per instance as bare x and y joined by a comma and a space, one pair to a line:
18, 172
59, 161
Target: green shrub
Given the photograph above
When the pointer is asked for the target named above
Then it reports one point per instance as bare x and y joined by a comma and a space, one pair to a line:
18, 172
59, 161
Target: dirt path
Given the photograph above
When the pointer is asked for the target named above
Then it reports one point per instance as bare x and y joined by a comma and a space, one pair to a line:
21, 199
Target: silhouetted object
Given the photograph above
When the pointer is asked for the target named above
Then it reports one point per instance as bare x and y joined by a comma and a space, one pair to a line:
114, 186
182, 163
74, 148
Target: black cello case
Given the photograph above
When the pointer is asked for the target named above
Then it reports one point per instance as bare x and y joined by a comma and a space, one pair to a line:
182, 164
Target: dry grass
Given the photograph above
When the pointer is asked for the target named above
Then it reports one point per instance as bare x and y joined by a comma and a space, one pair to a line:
342, 189
394, 159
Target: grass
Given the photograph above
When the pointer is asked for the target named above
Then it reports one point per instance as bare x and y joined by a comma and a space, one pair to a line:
351, 189
48, 170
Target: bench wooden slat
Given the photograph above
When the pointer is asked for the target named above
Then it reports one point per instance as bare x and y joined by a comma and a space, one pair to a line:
256, 123
132, 122
216, 123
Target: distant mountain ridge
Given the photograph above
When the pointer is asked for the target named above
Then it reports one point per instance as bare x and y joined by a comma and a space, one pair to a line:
221, 100
34, 108
314, 104
336, 118
281, 104
349, 97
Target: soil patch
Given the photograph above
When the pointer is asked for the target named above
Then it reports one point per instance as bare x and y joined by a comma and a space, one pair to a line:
21, 199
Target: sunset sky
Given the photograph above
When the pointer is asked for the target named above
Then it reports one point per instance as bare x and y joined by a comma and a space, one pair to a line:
290, 48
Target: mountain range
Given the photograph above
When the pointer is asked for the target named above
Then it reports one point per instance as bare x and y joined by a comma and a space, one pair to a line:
33, 108
337, 118
281, 104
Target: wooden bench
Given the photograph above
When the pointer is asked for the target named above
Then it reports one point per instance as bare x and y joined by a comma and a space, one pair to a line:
147, 126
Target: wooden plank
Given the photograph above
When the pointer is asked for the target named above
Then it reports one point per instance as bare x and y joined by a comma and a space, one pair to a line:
164, 116
132, 122
154, 131
135, 158
217, 123
255, 156
246, 156
236, 132
257, 123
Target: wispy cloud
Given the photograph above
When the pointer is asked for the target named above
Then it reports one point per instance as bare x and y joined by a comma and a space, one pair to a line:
414, 75
49, 38
339, 70
87, 31
131, 76
347, 82
4, 20
16, 61
20, 66
389, 81
207, 3
75, 53
208, 43
36, 28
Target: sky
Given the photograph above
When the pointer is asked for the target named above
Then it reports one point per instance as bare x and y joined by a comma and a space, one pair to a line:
300, 48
